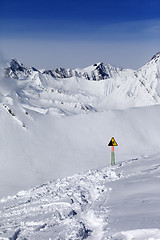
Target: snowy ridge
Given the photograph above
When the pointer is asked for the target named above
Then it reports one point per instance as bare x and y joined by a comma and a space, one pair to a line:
96, 72
89, 205
56, 123
40, 113
64, 92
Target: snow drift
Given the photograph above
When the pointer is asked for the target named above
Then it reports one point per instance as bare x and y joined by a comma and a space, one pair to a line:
117, 203
55, 123
58, 122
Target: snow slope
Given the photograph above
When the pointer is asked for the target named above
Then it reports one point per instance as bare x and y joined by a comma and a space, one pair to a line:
59, 123
97, 87
119, 203
49, 147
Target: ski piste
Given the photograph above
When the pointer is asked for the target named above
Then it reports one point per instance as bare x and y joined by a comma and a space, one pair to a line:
98, 204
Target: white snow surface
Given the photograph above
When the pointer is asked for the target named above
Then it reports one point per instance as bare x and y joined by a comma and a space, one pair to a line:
58, 123
119, 203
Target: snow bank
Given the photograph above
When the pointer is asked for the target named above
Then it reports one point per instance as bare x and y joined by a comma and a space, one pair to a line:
118, 202
54, 127
51, 147
139, 234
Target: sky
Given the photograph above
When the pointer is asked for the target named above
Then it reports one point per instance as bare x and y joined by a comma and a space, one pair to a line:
49, 34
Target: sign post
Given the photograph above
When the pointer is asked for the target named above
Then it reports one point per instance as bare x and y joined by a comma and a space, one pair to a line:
112, 143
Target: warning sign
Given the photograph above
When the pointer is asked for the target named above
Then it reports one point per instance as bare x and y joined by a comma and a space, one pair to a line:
112, 142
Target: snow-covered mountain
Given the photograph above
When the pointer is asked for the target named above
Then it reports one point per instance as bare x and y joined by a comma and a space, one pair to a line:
45, 126
95, 88
56, 123
97, 72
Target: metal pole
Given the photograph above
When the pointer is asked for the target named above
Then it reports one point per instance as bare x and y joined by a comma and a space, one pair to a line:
112, 156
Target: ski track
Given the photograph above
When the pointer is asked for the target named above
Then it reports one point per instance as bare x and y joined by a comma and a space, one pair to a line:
70, 208
74, 208
83, 206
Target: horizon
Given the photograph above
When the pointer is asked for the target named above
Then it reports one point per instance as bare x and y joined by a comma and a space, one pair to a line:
4, 60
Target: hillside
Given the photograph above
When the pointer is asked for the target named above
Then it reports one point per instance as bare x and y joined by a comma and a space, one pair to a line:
95, 88
55, 123
55, 129
118, 203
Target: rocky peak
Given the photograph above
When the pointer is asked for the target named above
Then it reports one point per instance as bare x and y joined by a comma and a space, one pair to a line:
59, 73
152, 63
101, 69
156, 56
17, 70
17, 66
63, 73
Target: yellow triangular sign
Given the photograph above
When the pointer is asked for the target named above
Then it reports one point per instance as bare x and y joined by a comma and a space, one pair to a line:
112, 142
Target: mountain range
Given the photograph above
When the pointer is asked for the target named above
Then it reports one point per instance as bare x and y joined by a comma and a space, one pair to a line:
64, 117
94, 88
55, 126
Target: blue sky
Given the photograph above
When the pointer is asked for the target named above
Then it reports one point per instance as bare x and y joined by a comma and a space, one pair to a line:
50, 34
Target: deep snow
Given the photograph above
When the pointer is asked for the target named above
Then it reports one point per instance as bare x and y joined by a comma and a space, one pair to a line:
33, 155
55, 124
119, 203
55, 127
